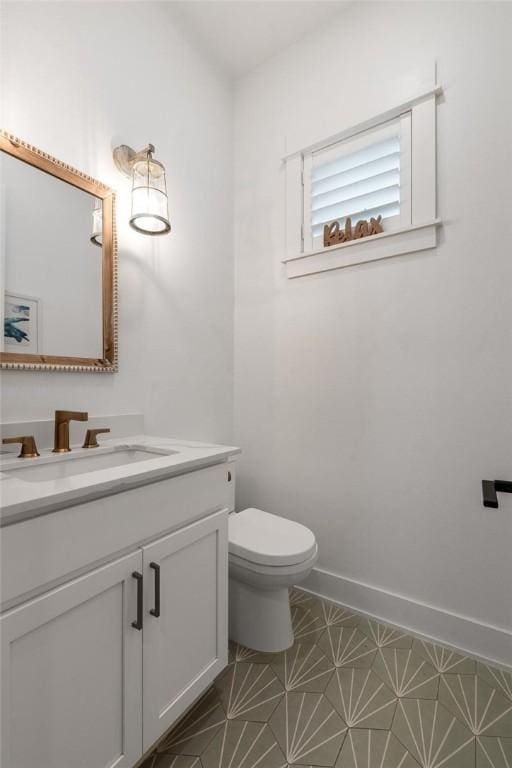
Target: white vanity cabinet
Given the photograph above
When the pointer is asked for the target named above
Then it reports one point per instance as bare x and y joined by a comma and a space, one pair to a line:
72, 674
95, 669
185, 643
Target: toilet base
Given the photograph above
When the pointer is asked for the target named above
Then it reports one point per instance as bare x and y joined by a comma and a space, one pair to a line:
259, 619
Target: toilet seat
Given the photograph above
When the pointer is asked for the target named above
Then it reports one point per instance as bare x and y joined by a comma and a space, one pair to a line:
258, 539
269, 577
274, 570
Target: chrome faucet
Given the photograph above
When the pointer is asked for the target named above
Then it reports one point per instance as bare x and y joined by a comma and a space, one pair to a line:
62, 419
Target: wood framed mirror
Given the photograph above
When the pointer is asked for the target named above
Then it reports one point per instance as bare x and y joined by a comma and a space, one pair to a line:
58, 264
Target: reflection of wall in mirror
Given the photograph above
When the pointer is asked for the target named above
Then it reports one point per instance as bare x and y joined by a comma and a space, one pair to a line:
48, 254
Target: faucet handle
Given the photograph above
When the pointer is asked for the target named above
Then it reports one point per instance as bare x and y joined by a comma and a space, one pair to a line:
90, 437
28, 446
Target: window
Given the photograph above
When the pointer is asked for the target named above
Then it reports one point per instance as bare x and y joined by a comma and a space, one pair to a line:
361, 177
384, 166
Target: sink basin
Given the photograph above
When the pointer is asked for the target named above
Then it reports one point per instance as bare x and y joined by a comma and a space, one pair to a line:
69, 465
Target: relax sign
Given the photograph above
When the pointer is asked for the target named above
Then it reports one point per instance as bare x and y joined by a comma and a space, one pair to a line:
333, 235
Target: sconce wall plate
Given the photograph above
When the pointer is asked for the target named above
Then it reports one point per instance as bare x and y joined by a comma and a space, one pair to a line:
125, 157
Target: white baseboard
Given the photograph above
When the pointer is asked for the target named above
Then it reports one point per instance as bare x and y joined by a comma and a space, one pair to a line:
488, 642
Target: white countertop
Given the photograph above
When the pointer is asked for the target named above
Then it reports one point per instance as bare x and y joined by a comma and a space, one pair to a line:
21, 499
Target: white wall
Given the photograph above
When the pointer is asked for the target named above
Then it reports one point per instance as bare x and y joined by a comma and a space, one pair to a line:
78, 79
370, 402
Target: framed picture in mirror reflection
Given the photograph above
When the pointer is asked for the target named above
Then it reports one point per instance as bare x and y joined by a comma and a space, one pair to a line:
21, 323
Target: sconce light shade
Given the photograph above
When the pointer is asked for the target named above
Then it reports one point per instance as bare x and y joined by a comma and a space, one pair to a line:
150, 211
97, 223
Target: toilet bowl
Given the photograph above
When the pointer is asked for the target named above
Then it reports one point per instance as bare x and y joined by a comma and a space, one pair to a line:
267, 555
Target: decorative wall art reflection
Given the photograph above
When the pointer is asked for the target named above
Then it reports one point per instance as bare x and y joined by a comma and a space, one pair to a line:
21, 323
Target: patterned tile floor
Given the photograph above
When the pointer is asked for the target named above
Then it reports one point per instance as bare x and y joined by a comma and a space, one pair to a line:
350, 693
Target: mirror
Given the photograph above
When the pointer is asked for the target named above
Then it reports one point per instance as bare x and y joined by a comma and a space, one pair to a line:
57, 264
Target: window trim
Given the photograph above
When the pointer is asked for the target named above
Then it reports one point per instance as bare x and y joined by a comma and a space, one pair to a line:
420, 234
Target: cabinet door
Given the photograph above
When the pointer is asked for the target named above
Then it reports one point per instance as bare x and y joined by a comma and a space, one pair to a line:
72, 674
185, 646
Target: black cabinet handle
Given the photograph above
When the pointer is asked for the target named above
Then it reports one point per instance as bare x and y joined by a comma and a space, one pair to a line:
156, 610
491, 487
138, 624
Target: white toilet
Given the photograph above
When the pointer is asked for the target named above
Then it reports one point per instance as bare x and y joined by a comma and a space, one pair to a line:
267, 554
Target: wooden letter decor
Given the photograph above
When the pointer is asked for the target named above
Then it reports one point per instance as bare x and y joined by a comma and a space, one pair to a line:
334, 235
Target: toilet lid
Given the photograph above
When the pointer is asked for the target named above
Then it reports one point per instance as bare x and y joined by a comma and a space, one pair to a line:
267, 539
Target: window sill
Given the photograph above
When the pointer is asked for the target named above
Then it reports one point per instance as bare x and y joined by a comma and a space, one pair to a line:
417, 237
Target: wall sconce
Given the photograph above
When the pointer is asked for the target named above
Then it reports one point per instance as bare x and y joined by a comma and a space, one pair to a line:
150, 212
97, 223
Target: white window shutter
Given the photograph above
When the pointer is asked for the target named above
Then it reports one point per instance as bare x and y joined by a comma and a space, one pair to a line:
362, 177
